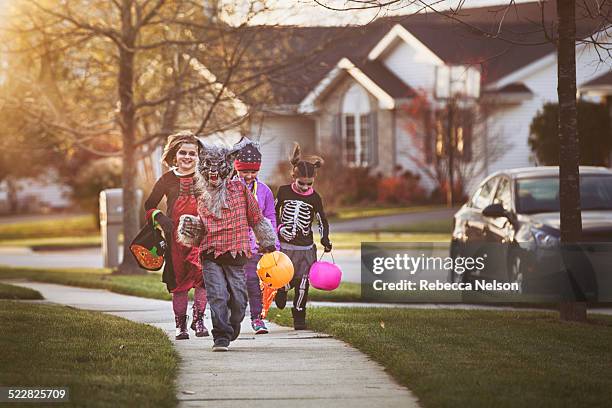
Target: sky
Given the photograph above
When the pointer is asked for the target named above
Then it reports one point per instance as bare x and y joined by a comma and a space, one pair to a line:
308, 12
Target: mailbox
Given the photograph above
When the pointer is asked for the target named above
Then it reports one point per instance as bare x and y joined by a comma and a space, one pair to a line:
111, 218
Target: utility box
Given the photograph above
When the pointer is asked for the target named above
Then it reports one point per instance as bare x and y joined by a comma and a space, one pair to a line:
111, 219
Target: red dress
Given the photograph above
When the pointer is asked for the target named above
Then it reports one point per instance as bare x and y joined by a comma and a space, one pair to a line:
185, 260
182, 270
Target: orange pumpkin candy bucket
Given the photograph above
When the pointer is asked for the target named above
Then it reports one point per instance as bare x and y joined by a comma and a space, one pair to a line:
275, 270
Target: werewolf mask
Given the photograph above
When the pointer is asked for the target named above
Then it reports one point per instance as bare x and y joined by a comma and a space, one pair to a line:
215, 168
216, 163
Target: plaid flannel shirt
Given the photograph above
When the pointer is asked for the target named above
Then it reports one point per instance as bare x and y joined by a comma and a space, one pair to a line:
230, 233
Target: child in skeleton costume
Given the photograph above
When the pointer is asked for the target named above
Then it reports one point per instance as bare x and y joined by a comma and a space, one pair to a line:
297, 206
226, 211
182, 270
247, 164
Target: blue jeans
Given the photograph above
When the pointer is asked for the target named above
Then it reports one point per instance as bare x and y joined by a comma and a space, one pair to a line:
253, 288
227, 298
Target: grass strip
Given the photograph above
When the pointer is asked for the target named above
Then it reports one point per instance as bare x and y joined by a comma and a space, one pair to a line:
17, 292
353, 212
341, 240
441, 226
475, 358
353, 240
77, 226
148, 285
55, 243
104, 360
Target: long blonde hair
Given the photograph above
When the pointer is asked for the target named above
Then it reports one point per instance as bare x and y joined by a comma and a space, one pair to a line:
174, 142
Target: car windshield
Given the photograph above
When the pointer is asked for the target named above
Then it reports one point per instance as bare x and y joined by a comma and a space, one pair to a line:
535, 195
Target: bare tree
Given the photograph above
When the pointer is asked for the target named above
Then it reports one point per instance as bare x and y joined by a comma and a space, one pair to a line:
130, 72
428, 125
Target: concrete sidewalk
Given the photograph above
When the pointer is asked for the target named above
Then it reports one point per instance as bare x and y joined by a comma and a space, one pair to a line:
285, 367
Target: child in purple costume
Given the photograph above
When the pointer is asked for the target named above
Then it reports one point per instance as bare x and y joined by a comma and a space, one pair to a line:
248, 163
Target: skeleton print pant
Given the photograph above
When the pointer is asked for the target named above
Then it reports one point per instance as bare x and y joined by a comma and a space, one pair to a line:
302, 261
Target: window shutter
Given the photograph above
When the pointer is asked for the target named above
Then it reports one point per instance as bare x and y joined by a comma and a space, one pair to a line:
337, 140
429, 140
468, 129
373, 139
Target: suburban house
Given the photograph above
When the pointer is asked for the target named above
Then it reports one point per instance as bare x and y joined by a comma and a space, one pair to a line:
356, 98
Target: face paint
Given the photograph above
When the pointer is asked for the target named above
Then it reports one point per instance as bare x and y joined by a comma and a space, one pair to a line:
186, 158
304, 183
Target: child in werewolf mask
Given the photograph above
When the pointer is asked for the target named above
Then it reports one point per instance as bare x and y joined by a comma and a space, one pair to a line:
226, 211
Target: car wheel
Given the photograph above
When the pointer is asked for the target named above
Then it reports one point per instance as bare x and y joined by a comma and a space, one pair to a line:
454, 276
516, 272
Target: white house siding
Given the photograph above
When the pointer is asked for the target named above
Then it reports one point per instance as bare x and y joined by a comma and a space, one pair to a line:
412, 67
514, 121
276, 136
407, 149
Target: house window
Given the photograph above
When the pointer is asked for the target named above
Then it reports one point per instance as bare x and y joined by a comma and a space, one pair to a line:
461, 135
356, 127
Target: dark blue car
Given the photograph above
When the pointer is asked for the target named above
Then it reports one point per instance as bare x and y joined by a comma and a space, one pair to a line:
513, 220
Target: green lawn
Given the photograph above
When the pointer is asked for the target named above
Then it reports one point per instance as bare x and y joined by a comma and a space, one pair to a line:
341, 240
104, 360
77, 226
17, 292
460, 358
148, 285
353, 240
55, 243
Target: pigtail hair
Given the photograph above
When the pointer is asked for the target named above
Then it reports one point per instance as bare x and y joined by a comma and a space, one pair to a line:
317, 161
295, 156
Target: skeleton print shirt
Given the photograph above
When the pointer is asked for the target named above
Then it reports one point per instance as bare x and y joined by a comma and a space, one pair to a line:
295, 214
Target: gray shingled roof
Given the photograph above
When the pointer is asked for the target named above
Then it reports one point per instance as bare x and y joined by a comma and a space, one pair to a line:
605, 79
454, 42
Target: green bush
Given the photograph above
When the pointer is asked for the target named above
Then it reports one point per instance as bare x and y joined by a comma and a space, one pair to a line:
595, 142
99, 175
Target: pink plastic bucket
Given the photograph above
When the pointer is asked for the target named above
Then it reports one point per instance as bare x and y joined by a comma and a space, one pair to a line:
325, 275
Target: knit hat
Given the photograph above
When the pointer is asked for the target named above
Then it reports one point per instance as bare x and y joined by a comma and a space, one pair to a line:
249, 158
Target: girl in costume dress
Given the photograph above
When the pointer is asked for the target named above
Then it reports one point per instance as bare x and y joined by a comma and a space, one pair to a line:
182, 270
297, 206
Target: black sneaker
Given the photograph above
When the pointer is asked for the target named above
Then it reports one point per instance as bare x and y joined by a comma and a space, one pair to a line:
220, 345
299, 319
280, 299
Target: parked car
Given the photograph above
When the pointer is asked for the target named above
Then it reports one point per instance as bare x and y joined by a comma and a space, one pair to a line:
513, 218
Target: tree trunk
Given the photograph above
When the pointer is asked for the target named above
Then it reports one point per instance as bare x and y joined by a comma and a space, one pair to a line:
569, 181
128, 131
12, 190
